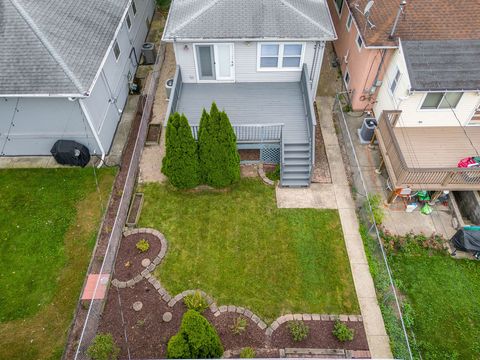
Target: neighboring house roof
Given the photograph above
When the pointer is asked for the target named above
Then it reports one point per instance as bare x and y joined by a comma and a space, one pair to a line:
421, 20
443, 64
249, 19
55, 46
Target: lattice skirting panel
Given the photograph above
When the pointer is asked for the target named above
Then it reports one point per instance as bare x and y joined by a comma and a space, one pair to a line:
270, 153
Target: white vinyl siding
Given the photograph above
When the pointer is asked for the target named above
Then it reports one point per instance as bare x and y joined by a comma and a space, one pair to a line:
245, 63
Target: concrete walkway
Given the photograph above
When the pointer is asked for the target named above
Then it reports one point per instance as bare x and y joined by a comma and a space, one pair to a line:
338, 196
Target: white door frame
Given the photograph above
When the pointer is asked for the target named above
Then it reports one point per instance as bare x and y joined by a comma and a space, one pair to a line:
216, 61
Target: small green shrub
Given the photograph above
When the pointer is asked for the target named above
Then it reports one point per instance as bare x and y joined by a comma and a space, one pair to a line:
377, 210
197, 339
275, 174
196, 302
239, 325
103, 347
143, 246
247, 353
178, 348
342, 332
298, 330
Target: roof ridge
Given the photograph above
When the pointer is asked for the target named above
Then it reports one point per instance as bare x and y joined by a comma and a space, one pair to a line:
48, 46
194, 16
301, 13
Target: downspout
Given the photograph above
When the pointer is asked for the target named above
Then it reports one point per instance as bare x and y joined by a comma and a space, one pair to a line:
94, 132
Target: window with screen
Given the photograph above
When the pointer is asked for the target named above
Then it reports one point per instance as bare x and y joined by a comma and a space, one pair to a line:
280, 56
441, 100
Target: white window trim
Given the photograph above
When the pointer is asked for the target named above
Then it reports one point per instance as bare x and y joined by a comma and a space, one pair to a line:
349, 17
339, 11
437, 109
119, 50
345, 78
390, 83
280, 56
356, 41
134, 5
129, 28
197, 73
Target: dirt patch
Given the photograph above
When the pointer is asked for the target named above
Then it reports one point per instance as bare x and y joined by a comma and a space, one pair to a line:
330, 77
249, 154
321, 337
129, 258
153, 134
321, 169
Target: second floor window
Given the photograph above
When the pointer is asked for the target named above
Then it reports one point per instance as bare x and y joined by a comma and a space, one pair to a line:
280, 56
393, 85
441, 100
359, 42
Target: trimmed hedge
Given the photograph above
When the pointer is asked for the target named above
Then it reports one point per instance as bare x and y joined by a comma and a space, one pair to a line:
180, 163
197, 339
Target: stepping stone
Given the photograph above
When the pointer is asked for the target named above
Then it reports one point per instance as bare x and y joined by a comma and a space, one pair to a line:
146, 262
167, 316
137, 305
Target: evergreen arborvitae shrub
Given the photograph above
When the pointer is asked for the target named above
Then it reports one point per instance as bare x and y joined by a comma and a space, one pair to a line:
180, 163
217, 146
197, 339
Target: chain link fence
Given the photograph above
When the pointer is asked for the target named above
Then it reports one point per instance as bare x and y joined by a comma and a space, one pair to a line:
397, 324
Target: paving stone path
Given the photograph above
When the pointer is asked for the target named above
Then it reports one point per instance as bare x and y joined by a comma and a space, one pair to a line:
214, 308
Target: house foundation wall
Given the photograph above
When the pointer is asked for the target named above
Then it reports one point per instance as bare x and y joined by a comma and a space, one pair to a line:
469, 204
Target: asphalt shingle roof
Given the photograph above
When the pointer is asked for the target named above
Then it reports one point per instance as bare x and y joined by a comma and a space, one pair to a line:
421, 20
249, 19
443, 64
54, 46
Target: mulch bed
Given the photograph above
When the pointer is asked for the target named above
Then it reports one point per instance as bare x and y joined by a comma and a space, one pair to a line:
253, 335
129, 254
320, 336
148, 334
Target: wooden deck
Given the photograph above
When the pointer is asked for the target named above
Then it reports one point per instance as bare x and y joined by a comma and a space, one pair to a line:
437, 147
249, 103
426, 158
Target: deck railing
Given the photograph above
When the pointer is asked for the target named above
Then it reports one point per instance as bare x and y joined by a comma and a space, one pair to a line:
175, 93
447, 178
252, 133
309, 110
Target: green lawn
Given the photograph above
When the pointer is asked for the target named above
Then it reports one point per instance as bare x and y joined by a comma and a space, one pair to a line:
242, 250
49, 222
445, 296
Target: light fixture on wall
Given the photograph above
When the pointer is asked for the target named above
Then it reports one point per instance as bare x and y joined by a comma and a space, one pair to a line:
185, 47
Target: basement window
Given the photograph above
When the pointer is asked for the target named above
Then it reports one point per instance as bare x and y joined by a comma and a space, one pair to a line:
116, 50
441, 100
347, 78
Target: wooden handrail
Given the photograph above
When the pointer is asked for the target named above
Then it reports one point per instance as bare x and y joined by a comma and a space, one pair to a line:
406, 175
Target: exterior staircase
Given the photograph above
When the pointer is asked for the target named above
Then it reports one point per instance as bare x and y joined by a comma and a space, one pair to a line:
296, 166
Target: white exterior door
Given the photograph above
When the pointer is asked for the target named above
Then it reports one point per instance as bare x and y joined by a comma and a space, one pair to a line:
214, 62
224, 64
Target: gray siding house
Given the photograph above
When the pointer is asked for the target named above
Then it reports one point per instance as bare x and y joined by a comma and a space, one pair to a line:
65, 69
260, 61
